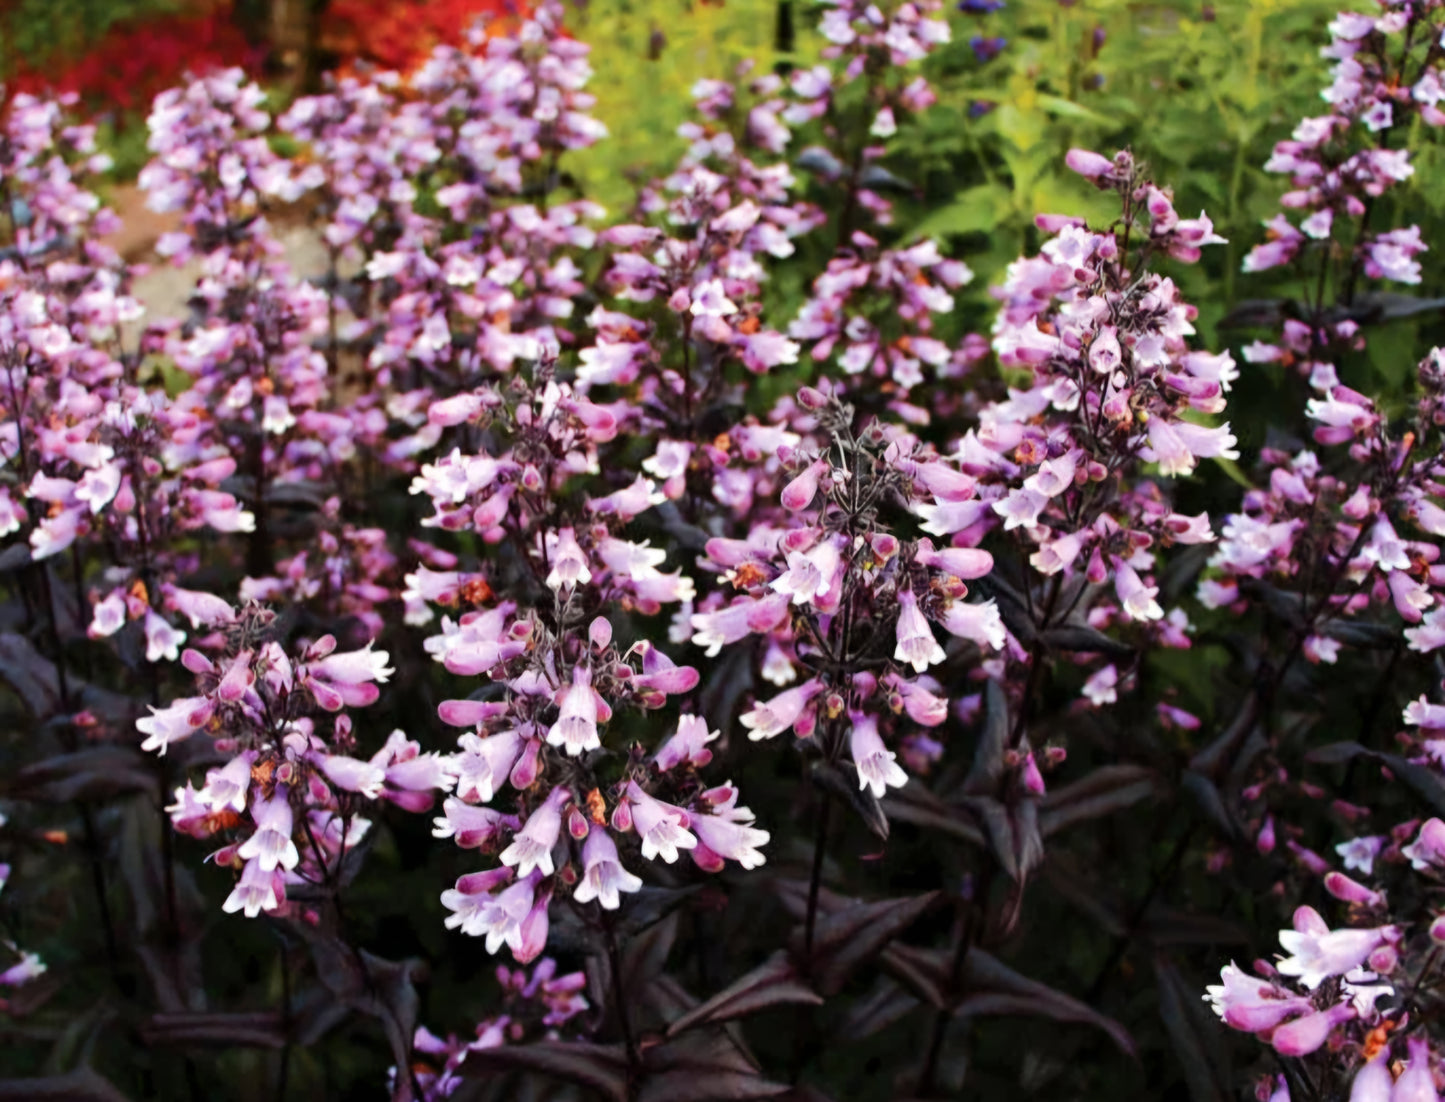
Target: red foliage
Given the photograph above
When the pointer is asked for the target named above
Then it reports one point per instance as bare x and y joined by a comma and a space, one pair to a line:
398, 34
134, 61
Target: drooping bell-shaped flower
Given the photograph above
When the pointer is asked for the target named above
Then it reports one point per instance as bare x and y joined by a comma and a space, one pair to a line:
603, 876
878, 767
576, 726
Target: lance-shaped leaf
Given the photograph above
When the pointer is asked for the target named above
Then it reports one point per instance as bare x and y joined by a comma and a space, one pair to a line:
913, 803
885, 1005
30, 674
602, 1068
1197, 1040
702, 1067
1214, 760
1103, 792
1013, 833
1076, 635
1362, 634
988, 759
991, 987
842, 781
1163, 926
1210, 800
80, 1085
775, 982
1419, 779
382, 989
258, 1029
651, 905
987, 987
95, 773
851, 935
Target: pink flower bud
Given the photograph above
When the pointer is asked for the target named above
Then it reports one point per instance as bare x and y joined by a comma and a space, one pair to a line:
1342, 887
1088, 164
798, 494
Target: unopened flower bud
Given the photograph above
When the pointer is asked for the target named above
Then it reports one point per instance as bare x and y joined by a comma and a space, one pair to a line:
1384, 960
622, 817
1342, 887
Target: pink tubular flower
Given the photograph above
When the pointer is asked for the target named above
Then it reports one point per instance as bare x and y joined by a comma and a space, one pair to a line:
780, 713
162, 640
798, 494
1373, 1082
532, 846
470, 826
1428, 849
1137, 599
1304, 1035
603, 876
878, 767
271, 845
1417, 1081
259, 889
352, 667
916, 644
1251, 1004
661, 826
484, 763
227, 787
688, 745
1317, 952
576, 726
177, 721
978, 623
730, 836
352, 774
1088, 164
569, 562
28, 968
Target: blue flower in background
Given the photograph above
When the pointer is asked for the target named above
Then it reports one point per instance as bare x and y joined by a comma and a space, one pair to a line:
986, 49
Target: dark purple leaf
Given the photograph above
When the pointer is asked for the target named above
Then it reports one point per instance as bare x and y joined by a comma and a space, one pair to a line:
1214, 760
1197, 1039
775, 982
1103, 792
602, 1068
842, 781
15, 556
925, 972
913, 803
988, 759
1163, 926
1013, 833
1211, 801
1366, 636
1077, 636
381, 989
80, 1085
1418, 778
991, 987
30, 674
848, 937
884, 1006
95, 773
643, 908
259, 1029
702, 1067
